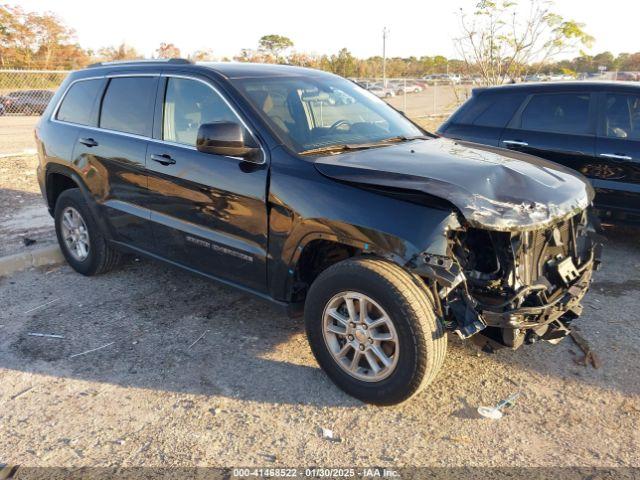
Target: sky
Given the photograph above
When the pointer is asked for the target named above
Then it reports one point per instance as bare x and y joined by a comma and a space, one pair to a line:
417, 27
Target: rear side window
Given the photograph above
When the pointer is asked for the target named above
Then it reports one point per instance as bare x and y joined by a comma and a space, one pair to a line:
78, 103
127, 105
622, 116
491, 110
557, 113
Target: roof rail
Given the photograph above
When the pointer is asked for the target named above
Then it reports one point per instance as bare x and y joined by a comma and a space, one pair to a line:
161, 61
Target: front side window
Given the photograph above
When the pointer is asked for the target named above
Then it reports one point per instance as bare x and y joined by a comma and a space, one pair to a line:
187, 105
557, 113
78, 102
316, 112
127, 105
622, 116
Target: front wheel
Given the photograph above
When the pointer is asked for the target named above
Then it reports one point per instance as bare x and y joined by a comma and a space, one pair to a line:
372, 328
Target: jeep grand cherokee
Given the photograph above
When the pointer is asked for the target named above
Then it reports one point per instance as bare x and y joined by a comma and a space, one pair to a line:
304, 189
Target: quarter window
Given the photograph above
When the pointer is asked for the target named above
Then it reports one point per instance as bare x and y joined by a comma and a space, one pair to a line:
128, 105
187, 105
622, 116
78, 102
491, 110
557, 113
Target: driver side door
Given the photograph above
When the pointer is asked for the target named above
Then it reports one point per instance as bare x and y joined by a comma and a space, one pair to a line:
208, 212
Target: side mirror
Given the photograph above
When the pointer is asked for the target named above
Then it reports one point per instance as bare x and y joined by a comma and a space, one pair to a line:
225, 138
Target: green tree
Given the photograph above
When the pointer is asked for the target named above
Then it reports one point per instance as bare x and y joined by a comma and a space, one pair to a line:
275, 44
502, 38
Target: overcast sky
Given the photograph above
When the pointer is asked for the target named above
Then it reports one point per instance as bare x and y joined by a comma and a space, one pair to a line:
417, 27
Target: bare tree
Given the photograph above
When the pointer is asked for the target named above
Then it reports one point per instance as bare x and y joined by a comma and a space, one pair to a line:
501, 39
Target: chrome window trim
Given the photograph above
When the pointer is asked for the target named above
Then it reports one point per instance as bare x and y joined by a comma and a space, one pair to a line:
54, 113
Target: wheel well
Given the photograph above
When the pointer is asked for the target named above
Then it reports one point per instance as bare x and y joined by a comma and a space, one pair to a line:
317, 256
56, 184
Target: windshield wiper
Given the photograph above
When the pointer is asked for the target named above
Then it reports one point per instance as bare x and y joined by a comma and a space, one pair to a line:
344, 147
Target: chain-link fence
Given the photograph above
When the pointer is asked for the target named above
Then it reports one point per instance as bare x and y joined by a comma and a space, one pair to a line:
433, 97
27, 92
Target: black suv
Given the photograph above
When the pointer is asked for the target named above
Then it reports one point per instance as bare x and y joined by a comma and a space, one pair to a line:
264, 177
592, 127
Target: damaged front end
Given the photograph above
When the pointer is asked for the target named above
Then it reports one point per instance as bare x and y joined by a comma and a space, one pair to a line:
514, 286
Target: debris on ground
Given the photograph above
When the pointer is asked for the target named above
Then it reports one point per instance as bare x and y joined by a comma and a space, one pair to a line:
269, 457
45, 335
92, 350
41, 306
28, 241
214, 411
590, 357
495, 413
198, 339
328, 435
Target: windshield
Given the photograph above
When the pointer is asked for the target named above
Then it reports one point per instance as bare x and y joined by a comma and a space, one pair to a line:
324, 111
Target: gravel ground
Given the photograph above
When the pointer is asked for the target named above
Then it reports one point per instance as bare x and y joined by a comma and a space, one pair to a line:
197, 374
16, 134
23, 214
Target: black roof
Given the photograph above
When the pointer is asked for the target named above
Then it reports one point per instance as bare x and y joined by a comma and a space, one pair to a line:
246, 70
562, 86
229, 70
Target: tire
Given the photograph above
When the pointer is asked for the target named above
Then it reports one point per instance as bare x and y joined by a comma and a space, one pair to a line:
421, 345
100, 256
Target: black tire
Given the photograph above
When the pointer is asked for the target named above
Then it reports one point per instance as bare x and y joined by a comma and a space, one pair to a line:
101, 257
407, 301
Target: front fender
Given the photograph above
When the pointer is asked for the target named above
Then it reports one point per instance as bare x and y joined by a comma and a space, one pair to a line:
306, 206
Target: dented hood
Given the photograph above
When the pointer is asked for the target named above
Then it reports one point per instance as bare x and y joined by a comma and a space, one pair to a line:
493, 188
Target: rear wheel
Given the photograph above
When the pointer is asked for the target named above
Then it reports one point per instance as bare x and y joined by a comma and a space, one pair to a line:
81, 242
372, 327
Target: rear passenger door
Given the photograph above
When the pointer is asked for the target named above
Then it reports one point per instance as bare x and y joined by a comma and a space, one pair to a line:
208, 211
616, 172
556, 126
483, 117
113, 156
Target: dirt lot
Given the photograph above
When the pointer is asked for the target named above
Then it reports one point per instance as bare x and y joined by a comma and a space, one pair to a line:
249, 392
16, 134
23, 215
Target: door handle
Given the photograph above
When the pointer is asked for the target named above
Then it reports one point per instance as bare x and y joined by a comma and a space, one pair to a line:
515, 143
89, 142
163, 159
615, 156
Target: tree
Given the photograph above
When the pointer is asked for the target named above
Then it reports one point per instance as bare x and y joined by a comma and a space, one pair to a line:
344, 63
202, 56
275, 44
501, 39
121, 52
167, 50
33, 40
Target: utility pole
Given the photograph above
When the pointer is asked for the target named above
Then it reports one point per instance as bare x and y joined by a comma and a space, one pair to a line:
385, 32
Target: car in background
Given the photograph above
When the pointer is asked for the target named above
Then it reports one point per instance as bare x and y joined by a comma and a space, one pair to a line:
443, 79
401, 87
628, 76
26, 102
382, 92
592, 127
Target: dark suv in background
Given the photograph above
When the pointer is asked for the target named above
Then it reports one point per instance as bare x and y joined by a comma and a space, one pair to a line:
306, 190
592, 127
26, 102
